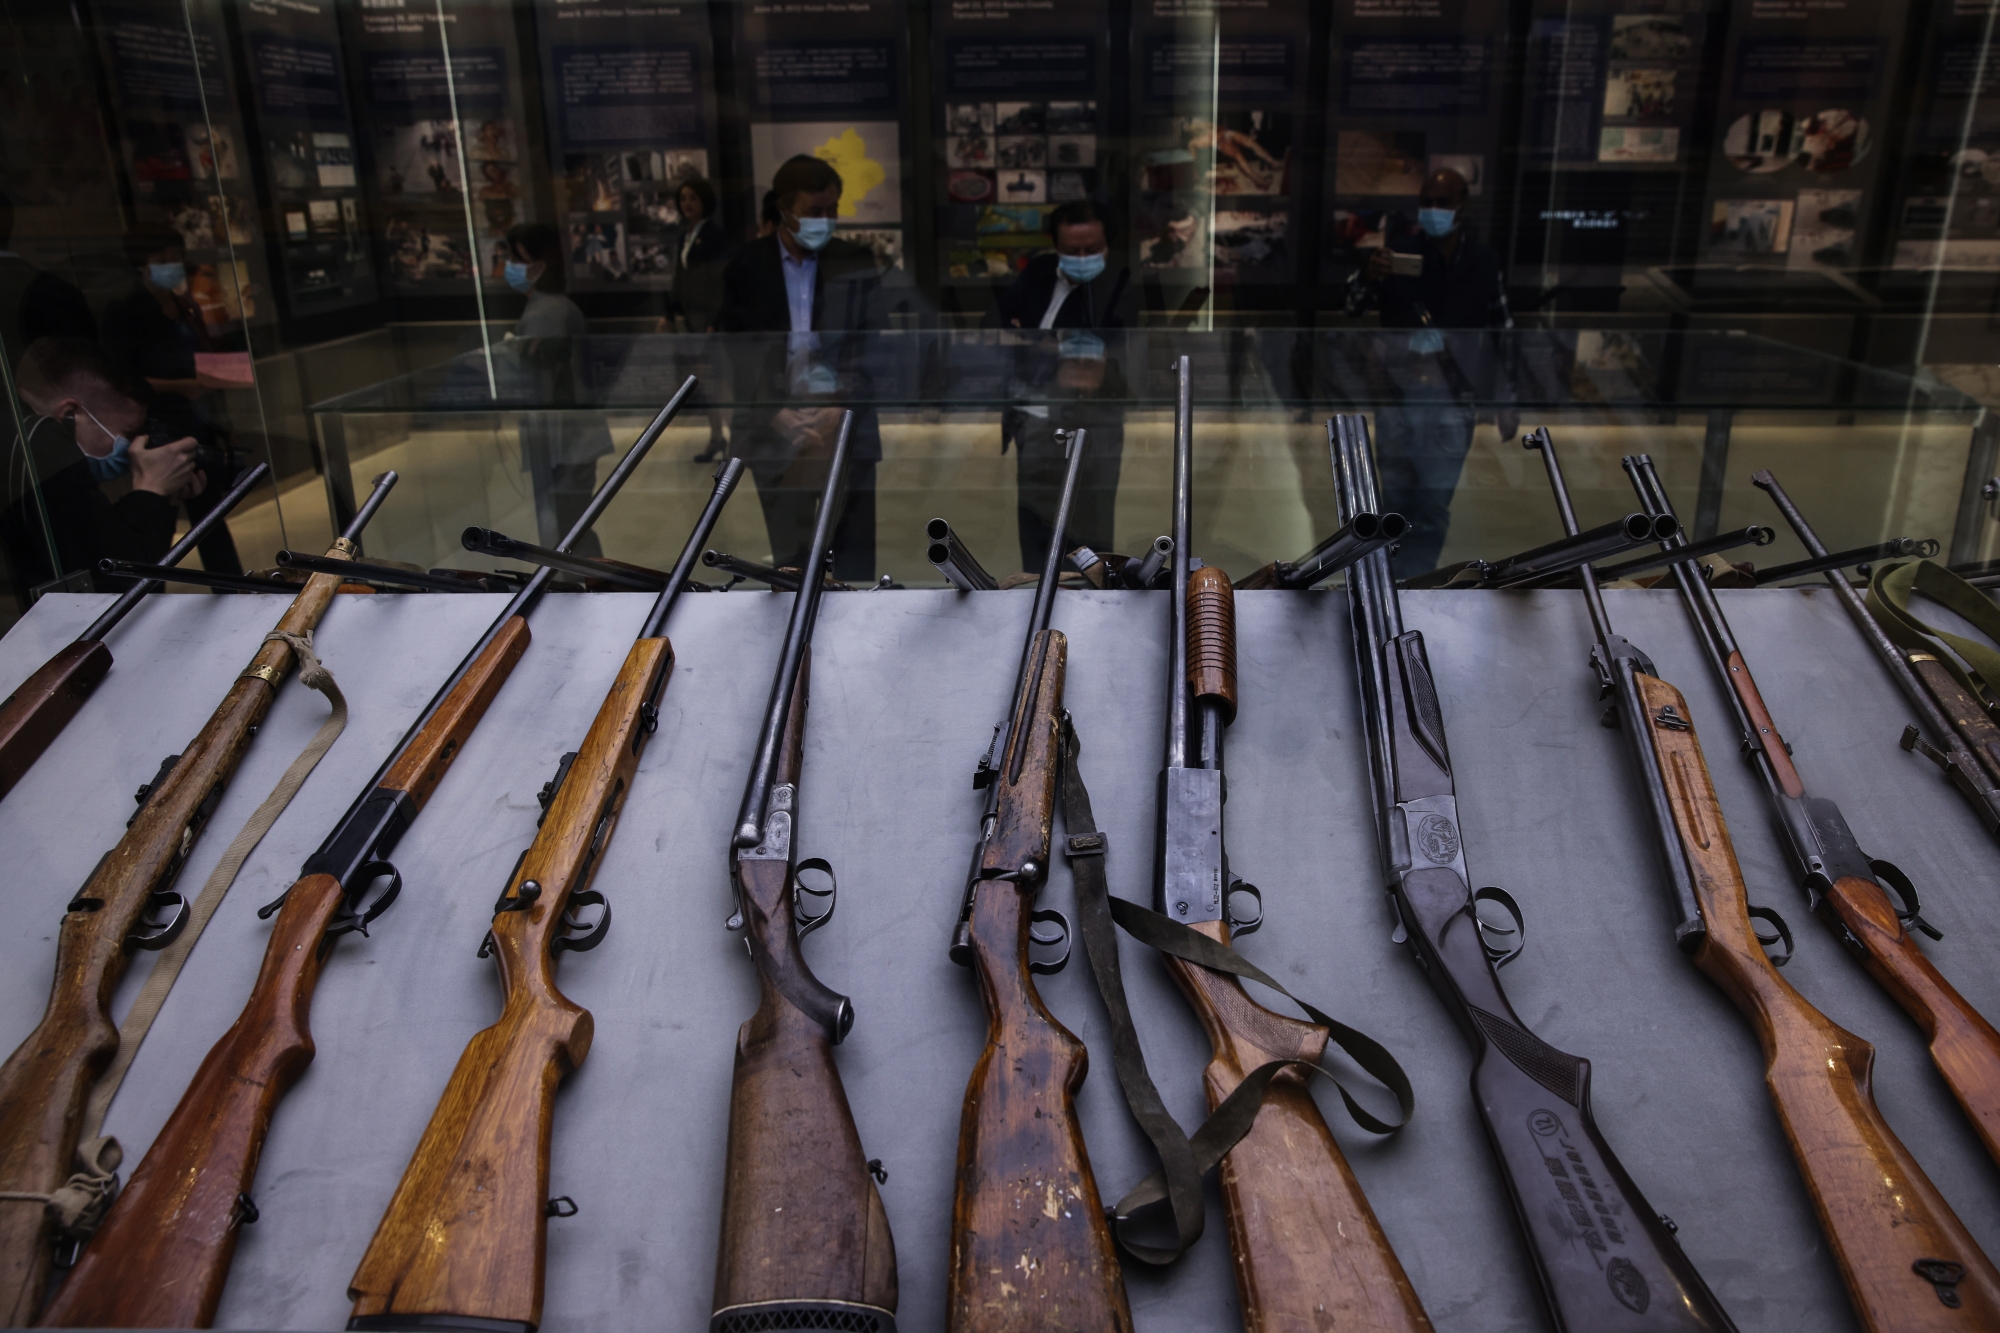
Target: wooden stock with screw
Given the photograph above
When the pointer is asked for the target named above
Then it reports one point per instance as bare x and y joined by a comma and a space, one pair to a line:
466, 1232
1031, 1248
161, 1257
1309, 1253
1885, 1221
47, 1081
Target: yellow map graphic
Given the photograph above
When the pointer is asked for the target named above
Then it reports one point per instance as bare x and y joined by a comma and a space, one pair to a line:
847, 153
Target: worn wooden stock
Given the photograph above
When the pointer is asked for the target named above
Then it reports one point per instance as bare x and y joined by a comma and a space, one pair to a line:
1309, 1252
804, 1235
1031, 1248
47, 1081
1885, 1221
466, 1231
42, 705
161, 1257
1975, 727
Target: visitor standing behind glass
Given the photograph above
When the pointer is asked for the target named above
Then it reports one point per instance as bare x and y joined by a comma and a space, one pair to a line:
1447, 288
1066, 375
560, 443
699, 255
823, 295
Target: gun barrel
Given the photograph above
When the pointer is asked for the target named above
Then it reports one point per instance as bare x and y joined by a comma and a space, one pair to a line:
198, 578
486, 541
362, 571
954, 561
1557, 559
1147, 571
383, 485
1177, 682
176, 553
1823, 561
780, 580
1364, 533
1754, 535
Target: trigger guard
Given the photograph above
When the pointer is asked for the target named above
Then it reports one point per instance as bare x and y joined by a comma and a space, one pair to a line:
1498, 955
352, 920
1784, 935
808, 924
1041, 917
162, 933
1910, 910
1248, 925
582, 943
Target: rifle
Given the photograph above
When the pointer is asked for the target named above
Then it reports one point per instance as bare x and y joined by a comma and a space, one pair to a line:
1909, 1263
161, 1256
1308, 1249
1967, 746
1031, 1247
1843, 884
1604, 1259
42, 705
465, 1236
805, 1242
127, 903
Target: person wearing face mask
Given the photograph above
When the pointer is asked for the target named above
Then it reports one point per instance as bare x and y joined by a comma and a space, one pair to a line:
699, 254
814, 297
1444, 367
1066, 375
560, 445
110, 477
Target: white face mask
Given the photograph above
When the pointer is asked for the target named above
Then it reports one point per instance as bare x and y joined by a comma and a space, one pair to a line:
814, 233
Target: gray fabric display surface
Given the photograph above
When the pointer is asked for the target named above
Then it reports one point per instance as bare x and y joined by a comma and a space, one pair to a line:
906, 688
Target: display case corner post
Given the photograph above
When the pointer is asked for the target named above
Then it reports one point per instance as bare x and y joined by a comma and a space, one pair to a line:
338, 471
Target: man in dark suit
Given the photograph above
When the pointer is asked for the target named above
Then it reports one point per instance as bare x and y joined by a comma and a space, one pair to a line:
816, 297
1066, 376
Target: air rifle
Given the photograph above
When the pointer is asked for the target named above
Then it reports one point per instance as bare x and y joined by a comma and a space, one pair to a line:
464, 1242
127, 903
1604, 1259
161, 1257
1909, 1264
42, 705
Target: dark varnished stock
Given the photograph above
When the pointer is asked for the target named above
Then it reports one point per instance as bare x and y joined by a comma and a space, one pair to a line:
1975, 727
802, 1222
466, 1233
1031, 1248
42, 705
162, 1255
1879, 1211
1309, 1252
46, 1082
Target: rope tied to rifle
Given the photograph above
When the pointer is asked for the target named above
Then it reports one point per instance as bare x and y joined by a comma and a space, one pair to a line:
80, 1203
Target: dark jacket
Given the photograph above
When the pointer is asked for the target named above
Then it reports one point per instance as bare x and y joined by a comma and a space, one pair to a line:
1461, 302
697, 293
36, 304
1088, 307
88, 525
847, 291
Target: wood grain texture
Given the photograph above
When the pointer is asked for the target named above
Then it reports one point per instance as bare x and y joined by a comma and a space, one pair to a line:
42, 705
1975, 728
1309, 1252
427, 758
46, 1082
465, 1233
1031, 1251
1879, 1211
162, 1256
1211, 638
1745, 687
1027, 776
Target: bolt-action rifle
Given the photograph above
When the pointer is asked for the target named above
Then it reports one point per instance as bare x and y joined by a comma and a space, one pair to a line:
42, 705
1605, 1260
464, 1242
805, 1243
1031, 1248
161, 1256
1909, 1263
127, 903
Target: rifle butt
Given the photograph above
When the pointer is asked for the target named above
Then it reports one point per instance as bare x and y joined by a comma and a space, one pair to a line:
805, 1241
466, 1233
43, 1087
161, 1257
1031, 1248
42, 705
1309, 1252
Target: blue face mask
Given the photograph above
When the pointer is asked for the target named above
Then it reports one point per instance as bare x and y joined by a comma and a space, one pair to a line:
814, 233
1436, 222
517, 276
166, 276
113, 464
1081, 268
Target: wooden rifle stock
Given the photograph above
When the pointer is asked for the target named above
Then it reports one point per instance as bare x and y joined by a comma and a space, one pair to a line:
161, 1257
42, 705
466, 1232
805, 1241
47, 1081
1031, 1248
1908, 1262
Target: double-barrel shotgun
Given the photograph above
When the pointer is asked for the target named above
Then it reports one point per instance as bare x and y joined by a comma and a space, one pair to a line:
1031, 1248
464, 1242
42, 705
1605, 1260
1909, 1264
161, 1257
805, 1242
127, 903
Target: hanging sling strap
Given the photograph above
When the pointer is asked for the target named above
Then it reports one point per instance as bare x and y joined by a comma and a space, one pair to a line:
1974, 665
1183, 1161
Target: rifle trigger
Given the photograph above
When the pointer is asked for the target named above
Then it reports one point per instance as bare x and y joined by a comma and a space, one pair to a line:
560, 1206
1783, 935
807, 924
1500, 955
369, 908
246, 1211
1244, 925
1890, 874
879, 1171
1043, 917
486, 946
161, 933
594, 932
